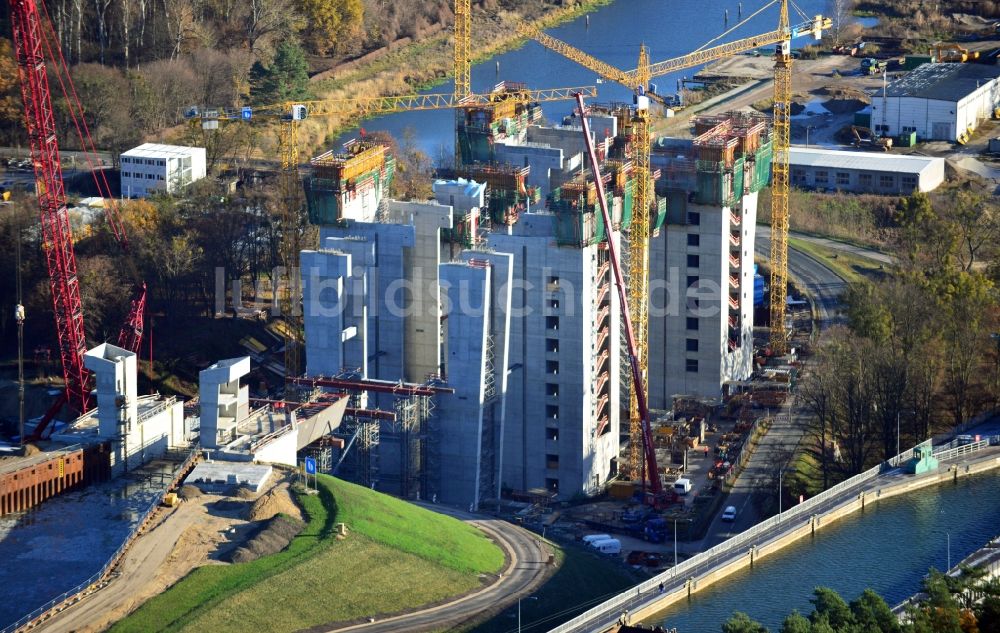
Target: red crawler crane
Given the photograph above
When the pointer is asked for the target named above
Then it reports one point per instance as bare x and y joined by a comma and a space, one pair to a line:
638, 380
31, 41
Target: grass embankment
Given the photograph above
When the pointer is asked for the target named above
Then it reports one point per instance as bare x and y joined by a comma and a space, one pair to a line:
422, 556
582, 581
848, 266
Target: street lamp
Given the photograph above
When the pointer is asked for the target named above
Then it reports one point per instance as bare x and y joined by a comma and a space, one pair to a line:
519, 610
808, 127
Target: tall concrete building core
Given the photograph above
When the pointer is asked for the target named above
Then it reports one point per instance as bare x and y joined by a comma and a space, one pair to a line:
382, 301
701, 265
561, 425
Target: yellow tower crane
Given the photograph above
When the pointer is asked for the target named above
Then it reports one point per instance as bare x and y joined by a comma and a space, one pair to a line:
639, 81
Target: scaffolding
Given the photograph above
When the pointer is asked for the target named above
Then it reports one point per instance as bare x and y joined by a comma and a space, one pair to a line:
507, 117
338, 179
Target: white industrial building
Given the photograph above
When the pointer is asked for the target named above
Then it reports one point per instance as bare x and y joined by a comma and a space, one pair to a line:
153, 167
864, 172
937, 101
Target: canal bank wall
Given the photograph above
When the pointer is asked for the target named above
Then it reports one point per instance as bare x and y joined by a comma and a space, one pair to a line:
771, 535
808, 526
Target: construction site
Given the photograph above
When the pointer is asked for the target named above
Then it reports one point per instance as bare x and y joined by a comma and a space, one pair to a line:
576, 315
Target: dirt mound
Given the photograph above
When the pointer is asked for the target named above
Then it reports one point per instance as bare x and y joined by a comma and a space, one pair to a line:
30, 449
843, 99
229, 506
275, 502
189, 492
273, 537
243, 493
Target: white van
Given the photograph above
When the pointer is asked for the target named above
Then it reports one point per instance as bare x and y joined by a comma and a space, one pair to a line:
590, 539
611, 546
682, 486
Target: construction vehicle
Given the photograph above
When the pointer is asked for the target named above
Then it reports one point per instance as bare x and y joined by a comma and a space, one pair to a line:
953, 53
639, 80
864, 137
871, 66
171, 500
33, 36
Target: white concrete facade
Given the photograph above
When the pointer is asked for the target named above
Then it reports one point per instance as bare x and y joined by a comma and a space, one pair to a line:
153, 167
138, 428
223, 401
864, 172
553, 434
701, 300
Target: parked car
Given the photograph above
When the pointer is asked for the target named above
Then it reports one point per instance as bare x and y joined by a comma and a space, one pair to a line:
637, 557
653, 560
729, 514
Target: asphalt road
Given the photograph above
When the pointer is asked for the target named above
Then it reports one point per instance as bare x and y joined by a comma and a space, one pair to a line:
526, 571
759, 479
822, 284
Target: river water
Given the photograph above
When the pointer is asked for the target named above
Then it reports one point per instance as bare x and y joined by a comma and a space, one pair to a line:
669, 28
888, 547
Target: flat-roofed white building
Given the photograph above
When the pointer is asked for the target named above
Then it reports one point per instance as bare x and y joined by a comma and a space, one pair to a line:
937, 101
153, 167
864, 172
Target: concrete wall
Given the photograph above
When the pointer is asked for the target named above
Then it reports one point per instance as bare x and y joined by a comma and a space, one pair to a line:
544, 161
681, 290
422, 304
281, 450
533, 390
460, 425
223, 401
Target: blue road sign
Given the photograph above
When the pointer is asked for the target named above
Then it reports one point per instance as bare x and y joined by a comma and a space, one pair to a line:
246, 113
310, 465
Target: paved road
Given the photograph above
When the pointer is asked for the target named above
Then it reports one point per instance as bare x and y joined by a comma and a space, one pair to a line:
525, 573
821, 283
605, 621
758, 481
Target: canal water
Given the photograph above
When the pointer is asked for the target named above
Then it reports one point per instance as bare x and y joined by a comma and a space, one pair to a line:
59, 544
888, 547
669, 28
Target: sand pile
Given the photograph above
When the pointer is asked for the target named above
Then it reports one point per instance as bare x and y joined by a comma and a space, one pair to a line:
272, 503
273, 537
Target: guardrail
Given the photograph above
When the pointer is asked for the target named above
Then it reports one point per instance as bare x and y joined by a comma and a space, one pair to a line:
97, 577
751, 536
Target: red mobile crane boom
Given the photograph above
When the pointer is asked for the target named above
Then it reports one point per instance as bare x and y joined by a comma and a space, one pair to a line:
57, 236
638, 380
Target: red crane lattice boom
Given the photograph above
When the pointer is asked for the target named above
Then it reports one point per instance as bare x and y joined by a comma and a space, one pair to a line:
57, 236
31, 42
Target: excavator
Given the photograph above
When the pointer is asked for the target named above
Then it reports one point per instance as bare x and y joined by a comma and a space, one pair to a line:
864, 137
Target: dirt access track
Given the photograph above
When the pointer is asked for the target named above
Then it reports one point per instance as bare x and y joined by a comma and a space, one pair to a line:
197, 532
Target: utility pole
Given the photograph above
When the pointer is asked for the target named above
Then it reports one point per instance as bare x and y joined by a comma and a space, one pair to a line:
19, 317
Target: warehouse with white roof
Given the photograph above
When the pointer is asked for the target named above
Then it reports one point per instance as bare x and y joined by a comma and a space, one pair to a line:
154, 167
864, 172
937, 101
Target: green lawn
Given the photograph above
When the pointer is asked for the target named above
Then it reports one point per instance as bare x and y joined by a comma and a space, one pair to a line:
849, 266
422, 556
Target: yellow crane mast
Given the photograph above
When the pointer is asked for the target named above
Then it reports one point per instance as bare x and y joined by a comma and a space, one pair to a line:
779, 186
639, 80
463, 62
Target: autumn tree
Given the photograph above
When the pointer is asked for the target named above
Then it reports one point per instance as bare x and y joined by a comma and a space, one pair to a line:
334, 25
